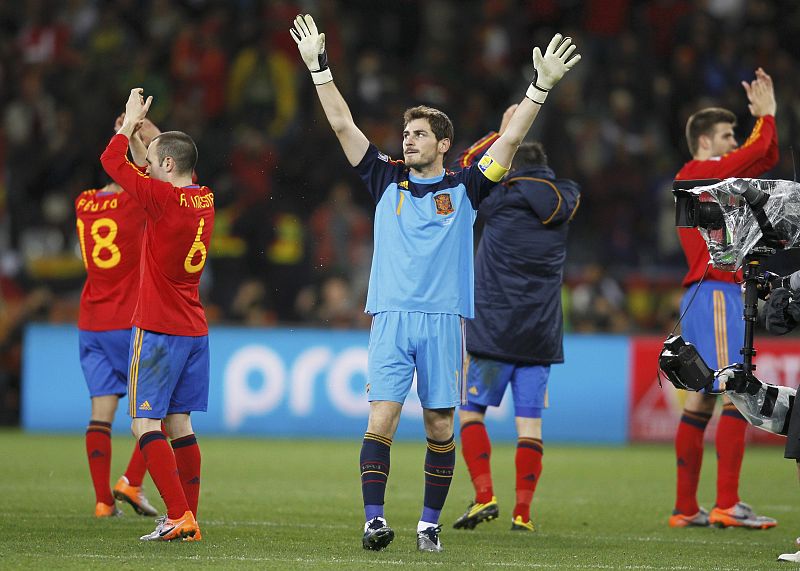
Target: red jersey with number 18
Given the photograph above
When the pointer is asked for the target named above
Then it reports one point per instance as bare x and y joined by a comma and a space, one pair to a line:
175, 246
110, 227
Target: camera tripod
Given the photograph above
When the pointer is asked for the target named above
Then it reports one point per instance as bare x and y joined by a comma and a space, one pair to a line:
755, 281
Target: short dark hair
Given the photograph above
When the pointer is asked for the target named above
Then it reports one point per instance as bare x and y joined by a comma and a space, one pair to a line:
441, 125
529, 155
703, 123
180, 147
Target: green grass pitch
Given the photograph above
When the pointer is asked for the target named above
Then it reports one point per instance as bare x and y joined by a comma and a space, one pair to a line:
281, 504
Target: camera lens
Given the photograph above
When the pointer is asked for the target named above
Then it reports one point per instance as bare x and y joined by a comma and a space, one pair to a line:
708, 215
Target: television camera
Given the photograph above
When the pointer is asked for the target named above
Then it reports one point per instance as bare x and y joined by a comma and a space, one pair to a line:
743, 222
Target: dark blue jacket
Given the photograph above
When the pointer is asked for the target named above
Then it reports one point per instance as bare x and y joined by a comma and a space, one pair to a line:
519, 268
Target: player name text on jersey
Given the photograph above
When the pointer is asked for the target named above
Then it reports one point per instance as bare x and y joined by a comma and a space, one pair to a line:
92, 205
204, 201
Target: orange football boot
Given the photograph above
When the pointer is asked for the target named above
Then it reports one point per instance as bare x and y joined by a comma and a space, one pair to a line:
740, 515
105, 510
168, 529
134, 496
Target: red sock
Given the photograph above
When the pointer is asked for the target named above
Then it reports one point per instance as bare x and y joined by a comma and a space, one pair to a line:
98, 451
730, 451
529, 468
187, 457
160, 463
477, 451
689, 453
136, 468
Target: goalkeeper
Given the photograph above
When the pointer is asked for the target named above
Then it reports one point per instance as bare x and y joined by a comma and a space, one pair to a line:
421, 280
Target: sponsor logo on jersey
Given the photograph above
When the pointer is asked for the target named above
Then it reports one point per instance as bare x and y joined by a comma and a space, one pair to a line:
384, 157
443, 203
403, 184
473, 391
145, 406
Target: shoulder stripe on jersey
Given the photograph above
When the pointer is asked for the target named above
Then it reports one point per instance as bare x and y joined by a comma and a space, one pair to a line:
400, 203
479, 146
137, 169
756, 134
551, 185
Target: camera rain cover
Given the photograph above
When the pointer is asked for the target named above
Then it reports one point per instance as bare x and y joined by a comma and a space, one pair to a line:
740, 230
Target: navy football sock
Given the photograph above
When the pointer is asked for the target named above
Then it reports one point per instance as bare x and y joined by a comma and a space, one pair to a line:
439, 462
375, 451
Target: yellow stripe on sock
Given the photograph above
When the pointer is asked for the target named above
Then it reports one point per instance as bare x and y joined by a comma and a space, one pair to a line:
373, 472
378, 438
434, 448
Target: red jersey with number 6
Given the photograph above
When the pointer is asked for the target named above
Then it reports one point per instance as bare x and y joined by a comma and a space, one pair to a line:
110, 227
756, 156
175, 246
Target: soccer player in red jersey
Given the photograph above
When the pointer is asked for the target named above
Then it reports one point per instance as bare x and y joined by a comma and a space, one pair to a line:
169, 365
110, 228
718, 301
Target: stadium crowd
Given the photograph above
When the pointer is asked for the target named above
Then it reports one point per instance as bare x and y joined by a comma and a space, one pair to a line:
292, 242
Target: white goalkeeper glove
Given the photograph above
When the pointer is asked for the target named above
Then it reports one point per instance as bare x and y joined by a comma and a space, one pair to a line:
548, 69
311, 45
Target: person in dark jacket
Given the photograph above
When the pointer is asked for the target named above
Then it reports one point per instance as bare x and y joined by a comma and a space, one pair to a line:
517, 332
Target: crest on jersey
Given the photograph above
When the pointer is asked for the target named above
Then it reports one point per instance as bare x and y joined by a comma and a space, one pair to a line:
443, 203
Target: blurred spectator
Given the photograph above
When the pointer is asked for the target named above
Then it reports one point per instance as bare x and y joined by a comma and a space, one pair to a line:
287, 262
261, 88
331, 304
341, 235
43, 40
598, 304
199, 65
250, 306
28, 121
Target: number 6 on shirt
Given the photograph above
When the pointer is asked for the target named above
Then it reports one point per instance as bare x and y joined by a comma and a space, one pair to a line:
197, 246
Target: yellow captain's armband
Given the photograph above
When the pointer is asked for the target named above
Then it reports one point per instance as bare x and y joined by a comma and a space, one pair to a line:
491, 169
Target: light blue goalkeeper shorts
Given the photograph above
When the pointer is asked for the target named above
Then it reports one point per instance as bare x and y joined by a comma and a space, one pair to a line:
431, 343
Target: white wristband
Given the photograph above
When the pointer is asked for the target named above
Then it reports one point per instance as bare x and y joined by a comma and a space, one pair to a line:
322, 77
536, 94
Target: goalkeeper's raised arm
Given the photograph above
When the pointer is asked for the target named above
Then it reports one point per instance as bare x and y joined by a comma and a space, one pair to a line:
311, 45
548, 69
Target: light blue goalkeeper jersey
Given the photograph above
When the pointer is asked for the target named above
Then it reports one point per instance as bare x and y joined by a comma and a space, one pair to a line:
423, 248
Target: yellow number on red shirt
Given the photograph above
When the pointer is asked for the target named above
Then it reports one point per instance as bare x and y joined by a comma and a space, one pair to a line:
101, 243
197, 246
